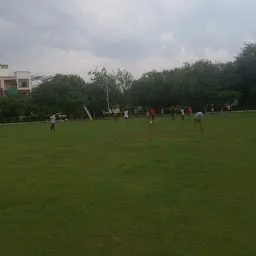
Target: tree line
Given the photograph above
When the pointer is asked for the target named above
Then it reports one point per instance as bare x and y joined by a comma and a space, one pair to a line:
194, 84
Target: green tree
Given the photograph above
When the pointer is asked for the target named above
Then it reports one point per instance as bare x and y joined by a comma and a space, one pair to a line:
63, 93
246, 66
106, 82
13, 108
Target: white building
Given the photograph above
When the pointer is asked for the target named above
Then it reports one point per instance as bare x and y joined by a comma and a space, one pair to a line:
18, 83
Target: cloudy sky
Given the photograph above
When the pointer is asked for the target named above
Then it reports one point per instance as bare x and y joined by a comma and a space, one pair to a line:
73, 36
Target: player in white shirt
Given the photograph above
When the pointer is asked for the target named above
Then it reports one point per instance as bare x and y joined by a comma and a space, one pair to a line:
229, 109
53, 119
182, 114
126, 114
199, 119
212, 110
147, 115
116, 114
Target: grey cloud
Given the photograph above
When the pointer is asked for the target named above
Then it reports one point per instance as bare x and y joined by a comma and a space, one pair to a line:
45, 27
233, 21
47, 24
36, 26
125, 48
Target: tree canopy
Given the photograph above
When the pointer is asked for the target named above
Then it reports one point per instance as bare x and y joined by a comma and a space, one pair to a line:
195, 84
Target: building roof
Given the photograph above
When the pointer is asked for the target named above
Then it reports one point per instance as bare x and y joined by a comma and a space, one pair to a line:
7, 77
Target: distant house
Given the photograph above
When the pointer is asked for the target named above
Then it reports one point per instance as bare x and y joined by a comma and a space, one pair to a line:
18, 83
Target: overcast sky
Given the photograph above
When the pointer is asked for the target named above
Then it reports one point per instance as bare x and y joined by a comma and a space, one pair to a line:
73, 36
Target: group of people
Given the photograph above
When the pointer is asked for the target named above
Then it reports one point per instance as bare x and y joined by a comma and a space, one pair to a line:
182, 112
151, 115
227, 109
198, 116
126, 115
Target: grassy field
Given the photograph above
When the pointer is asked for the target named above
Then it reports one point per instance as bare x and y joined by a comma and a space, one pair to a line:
100, 188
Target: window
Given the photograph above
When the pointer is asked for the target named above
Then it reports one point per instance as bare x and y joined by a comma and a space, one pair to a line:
23, 83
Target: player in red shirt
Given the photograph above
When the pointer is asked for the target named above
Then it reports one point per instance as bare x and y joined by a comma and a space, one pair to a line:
152, 113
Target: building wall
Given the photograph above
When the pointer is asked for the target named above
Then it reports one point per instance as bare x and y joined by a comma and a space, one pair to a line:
8, 84
4, 70
5, 84
11, 83
23, 81
4, 81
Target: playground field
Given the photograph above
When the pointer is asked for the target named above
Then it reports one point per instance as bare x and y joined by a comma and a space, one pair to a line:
129, 189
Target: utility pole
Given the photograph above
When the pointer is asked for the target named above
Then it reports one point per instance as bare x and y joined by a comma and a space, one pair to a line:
107, 91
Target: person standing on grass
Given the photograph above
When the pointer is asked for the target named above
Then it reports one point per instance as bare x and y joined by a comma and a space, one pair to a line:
189, 112
152, 113
173, 112
229, 109
148, 115
212, 110
116, 115
162, 111
182, 114
53, 120
199, 119
206, 108
126, 114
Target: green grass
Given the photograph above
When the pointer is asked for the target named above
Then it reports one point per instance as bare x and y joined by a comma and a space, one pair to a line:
100, 188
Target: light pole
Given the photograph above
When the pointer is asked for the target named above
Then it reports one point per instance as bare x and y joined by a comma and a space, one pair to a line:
107, 91
107, 88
